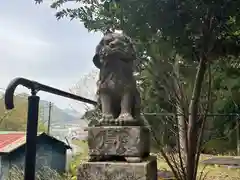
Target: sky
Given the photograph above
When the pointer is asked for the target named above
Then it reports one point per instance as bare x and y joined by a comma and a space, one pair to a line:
34, 45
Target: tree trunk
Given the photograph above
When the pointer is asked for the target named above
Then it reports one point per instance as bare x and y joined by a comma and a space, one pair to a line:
182, 131
192, 132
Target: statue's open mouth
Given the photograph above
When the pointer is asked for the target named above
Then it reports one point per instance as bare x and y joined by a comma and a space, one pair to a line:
114, 52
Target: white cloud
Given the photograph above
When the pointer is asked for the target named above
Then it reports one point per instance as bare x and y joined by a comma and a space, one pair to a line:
34, 45
18, 32
17, 45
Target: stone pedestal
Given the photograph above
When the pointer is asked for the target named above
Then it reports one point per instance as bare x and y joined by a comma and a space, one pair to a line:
119, 153
145, 170
127, 141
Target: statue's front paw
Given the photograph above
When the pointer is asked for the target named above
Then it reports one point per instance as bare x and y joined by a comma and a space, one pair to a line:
125, 119
106, 119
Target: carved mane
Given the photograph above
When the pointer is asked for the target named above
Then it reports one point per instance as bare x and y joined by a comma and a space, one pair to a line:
114, 57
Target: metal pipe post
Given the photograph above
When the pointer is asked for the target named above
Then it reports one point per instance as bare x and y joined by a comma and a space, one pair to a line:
31, 137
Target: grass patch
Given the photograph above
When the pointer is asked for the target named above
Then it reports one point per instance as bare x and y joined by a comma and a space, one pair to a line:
45, 173
214, 172
83, 145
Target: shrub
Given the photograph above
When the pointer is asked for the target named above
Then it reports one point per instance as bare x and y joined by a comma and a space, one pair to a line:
45, 173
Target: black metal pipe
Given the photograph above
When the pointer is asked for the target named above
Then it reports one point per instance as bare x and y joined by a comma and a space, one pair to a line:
31, 137
32, 119
35, 87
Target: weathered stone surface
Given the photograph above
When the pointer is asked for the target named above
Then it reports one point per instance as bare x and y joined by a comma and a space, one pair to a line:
133, 141
117, 90
146, 170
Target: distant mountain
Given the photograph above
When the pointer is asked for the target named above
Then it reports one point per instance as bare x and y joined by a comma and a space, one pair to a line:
72, 112
58, 116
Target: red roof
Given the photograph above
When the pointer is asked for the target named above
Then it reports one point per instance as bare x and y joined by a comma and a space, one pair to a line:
10, 139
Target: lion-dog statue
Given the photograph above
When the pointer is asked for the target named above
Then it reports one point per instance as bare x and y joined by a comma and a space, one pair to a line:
117, 92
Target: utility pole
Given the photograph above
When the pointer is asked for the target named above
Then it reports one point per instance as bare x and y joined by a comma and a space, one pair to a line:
41, 113
49, 118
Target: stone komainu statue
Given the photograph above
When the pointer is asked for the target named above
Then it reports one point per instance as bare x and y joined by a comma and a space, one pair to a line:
118, 95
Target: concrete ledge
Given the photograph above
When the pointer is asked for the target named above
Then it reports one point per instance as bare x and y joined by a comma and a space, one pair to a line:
146, 170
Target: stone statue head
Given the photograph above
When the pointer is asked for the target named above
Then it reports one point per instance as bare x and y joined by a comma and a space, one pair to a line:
114, 46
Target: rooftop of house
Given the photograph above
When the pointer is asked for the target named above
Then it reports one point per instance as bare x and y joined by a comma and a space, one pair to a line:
11, 140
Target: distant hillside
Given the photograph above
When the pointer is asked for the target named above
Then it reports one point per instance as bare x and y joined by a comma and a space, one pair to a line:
1, 94
72, 112
58, 116
16, 119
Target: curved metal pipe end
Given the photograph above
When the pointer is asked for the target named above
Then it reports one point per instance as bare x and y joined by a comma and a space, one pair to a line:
9, 101
9, 93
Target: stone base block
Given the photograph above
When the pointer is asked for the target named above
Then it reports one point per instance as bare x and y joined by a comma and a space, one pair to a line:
128, 141
146, 170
